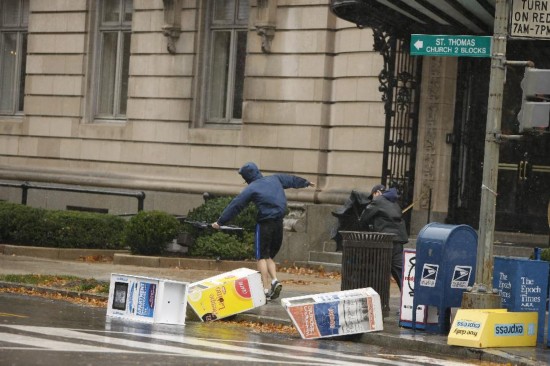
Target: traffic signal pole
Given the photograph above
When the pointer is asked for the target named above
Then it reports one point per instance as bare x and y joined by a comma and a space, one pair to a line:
482, 295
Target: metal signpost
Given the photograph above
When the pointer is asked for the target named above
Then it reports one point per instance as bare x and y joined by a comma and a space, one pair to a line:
482, 295
454, 46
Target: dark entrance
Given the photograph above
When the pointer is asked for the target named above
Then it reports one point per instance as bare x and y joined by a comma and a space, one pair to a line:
524, 165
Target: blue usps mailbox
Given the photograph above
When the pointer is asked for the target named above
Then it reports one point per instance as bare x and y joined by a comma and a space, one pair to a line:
523, 286
445, 267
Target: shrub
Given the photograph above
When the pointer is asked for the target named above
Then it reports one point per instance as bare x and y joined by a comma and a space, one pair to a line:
211, 210
149, 232
545, 254
224, 246
20, 224
69, 229
24, 225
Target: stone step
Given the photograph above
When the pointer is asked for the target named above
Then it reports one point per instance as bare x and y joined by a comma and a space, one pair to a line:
326, 257
512, 251
327, 267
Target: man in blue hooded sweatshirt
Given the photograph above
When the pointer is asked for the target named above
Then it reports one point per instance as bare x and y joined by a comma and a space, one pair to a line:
385, 215
268, 195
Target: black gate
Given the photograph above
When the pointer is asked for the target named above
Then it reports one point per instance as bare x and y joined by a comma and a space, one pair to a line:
400, 85
523, 185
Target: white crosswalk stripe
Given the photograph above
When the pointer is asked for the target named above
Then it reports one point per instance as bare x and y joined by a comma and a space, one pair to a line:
99, 341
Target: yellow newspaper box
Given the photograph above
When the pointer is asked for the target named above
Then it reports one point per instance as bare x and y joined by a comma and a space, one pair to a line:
484, 328
226, 294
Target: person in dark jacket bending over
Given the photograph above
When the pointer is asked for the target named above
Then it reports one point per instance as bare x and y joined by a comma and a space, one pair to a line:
385, 215
268, 195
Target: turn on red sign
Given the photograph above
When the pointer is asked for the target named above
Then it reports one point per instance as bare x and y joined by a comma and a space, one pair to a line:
530, 19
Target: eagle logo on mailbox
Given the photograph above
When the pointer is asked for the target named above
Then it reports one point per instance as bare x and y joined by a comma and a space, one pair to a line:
429, 275
461, 276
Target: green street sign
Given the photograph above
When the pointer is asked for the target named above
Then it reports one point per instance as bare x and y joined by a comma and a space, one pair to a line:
454, 46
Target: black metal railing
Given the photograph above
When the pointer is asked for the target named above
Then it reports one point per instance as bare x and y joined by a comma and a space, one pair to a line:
26, 186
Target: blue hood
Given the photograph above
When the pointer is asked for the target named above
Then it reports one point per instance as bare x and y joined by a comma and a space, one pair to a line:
250, 172
391, 195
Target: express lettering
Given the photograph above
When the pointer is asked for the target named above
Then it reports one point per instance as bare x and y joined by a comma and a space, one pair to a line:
508, 329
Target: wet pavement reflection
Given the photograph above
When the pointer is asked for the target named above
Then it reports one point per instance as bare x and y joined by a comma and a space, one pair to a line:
38, 331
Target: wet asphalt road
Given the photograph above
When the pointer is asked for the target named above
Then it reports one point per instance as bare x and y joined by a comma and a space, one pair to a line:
38, 331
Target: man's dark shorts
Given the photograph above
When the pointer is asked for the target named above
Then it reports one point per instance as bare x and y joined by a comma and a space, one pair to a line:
268, 239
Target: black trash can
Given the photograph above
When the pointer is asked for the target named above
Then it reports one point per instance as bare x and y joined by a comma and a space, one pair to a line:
366, 262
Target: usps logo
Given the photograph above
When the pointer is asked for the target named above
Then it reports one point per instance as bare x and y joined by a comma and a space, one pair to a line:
429, 275
461, 276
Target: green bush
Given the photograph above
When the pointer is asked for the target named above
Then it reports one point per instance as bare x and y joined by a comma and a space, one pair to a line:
149, 232
211, 210
19, 222
24, 225
70, 229
224, 246
545, 254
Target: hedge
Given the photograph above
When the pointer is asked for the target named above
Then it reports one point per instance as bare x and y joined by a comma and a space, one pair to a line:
149, 232
24, 225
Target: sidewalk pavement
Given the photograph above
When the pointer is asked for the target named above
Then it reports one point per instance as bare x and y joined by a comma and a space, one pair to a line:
34, 262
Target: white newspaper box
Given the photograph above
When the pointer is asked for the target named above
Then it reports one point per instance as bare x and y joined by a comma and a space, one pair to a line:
226, 294
149, 300
424, 315
335, 313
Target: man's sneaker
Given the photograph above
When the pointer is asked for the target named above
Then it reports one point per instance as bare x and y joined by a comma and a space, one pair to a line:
275, 290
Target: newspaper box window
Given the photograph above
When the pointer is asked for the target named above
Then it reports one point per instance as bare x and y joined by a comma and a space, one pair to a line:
149, 300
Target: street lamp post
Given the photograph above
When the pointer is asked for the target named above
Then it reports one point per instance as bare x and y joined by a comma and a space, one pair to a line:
482, 295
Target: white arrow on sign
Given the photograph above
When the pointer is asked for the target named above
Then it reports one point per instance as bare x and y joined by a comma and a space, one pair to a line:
419, 44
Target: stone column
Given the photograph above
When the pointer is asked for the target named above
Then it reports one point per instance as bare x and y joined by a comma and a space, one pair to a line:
436, 120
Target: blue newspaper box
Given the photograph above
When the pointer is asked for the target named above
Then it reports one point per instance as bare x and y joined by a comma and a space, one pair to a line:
445, 267
523, 286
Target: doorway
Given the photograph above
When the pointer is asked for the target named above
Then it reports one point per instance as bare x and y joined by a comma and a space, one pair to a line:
524, 165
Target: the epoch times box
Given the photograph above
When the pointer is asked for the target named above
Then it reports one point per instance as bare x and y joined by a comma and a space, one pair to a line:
146, 299
226, 294
335, 313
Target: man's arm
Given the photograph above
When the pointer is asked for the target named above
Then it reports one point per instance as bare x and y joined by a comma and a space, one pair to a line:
293, 181
368, 213
238, 204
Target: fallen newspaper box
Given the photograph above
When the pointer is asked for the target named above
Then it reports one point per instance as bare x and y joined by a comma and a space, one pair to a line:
485, 328
226, 294
335, 313
146, 299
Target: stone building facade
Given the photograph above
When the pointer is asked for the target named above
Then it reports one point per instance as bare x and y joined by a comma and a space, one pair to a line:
171, 97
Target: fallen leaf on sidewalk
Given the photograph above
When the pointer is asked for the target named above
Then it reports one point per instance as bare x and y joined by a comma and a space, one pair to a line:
266, 327
96, 258
296, 282
56, 296
310, 272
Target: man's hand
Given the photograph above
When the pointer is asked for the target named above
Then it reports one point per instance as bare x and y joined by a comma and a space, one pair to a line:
311, 184
216, 226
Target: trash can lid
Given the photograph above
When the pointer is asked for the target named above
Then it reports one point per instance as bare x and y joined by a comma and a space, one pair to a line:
367, 235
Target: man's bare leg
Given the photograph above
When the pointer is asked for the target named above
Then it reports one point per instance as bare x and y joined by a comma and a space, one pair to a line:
272, 270
276, 286
264, 271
